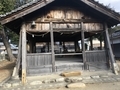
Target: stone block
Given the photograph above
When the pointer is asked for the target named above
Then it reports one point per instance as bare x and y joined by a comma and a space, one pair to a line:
104, 76
74, 79
87, 77
94, 77
88, 81
76, 85
48, 81
36, 83
60, 80
73, 73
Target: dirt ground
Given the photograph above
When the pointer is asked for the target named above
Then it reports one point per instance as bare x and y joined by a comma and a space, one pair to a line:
99, 86
6, 68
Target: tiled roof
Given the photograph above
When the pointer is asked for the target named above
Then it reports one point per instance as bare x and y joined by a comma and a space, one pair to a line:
107, 7
20, 8
35, 1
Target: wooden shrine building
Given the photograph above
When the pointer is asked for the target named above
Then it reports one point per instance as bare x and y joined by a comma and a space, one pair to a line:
46, 27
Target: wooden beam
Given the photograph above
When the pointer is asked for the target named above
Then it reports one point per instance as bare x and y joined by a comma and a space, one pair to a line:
25, 11
23, 53
52, 46
54, 30
107, 51
67, 29
61, 21
17, 67
37, 31
83, 46
61, 30
67, 54
113, 63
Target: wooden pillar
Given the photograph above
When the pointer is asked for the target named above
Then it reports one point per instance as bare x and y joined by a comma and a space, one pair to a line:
34, 46
63, 47
48, 46
91, 43
15, 73
30, 45
52, 47
113, 63
23, 53
101, 41
83, 46
60, 47
106, 48
75, 46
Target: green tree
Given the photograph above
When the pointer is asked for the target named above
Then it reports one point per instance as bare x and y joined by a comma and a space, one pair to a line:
115, 28
6, 6
21, 2
12, 36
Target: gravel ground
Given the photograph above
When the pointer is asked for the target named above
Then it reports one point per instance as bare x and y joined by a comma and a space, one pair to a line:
102, 86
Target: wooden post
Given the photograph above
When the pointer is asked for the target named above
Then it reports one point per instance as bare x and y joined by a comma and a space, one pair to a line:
113, 63
30, 45
34, 46
101, 41
83, 46
91, 43
17, 67
106, 48
60, 47
75, 46
52, 47
23, 53
48, 46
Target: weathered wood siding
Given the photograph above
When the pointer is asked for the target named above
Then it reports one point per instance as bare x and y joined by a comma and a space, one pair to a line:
64, 15
93, 27
96, 56
39, 63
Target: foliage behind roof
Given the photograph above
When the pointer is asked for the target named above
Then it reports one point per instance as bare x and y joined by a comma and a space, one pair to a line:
24, 5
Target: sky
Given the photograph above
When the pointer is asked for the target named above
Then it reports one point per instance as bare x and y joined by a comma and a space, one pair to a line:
115, 4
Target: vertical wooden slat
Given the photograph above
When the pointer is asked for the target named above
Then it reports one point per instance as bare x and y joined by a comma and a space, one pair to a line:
83, 46
23, 53
113, 63
52, 47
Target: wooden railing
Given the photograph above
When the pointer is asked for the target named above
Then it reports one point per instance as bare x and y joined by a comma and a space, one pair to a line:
35, 60
96, 56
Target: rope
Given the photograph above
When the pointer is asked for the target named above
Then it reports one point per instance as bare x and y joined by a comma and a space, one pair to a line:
37, 34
